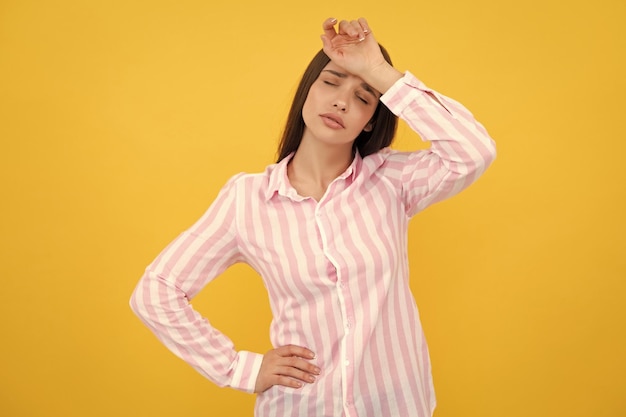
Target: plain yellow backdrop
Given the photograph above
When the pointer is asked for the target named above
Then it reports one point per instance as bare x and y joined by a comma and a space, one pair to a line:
120, 120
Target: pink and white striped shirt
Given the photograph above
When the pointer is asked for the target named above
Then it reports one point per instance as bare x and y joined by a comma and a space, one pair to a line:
336, 270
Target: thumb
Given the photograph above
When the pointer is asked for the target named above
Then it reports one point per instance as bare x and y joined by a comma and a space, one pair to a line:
325, 43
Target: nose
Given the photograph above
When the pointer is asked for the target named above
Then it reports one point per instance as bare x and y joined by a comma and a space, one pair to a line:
340, 99
340, 105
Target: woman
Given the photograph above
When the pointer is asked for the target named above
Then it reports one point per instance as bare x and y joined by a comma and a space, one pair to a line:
325, 227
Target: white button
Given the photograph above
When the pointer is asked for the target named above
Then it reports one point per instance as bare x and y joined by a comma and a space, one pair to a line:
347, 363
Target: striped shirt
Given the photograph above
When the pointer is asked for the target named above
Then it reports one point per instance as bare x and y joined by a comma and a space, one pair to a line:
336, 270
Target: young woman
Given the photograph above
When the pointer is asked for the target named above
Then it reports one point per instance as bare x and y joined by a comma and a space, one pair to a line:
325, 227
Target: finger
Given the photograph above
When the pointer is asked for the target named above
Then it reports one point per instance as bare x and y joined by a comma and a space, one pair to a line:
299, 363
360, 33
285, 381
329, 27
364, 25
347, 28
352, 29
296, 373
326, 46
293, 350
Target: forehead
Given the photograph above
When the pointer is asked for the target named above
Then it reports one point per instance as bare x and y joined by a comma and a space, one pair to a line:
335, 69
331, 66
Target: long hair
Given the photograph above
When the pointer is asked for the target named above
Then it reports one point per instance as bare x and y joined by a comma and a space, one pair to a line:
384, 121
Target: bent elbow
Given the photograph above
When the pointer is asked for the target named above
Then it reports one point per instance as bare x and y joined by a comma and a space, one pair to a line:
138, 302
492, 152
486, 155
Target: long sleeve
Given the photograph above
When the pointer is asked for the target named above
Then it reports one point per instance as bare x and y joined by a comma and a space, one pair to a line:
460, 151
161, 298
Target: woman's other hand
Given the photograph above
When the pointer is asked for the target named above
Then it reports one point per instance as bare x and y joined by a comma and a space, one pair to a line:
288, 366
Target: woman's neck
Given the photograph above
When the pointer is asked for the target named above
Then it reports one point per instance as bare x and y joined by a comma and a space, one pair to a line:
315, 165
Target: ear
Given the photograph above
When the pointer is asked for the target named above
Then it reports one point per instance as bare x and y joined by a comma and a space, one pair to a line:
369, 126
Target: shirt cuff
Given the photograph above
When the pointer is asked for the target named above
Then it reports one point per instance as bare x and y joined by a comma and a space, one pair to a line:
246, 371
409, 89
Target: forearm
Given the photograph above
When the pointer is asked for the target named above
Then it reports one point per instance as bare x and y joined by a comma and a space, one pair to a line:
460, 151
165, 310
455, 135
182, 270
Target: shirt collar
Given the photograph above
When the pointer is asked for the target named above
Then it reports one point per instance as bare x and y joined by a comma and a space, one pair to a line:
279, 182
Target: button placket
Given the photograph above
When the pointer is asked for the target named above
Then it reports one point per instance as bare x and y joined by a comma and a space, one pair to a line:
324, 226
347, 341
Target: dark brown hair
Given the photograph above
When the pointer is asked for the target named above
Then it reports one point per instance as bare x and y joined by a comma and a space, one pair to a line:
384, 121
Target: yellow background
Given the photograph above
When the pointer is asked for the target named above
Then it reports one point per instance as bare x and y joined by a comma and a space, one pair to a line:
120, 120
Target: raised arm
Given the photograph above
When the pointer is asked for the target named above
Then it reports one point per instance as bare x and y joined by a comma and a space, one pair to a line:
461, 149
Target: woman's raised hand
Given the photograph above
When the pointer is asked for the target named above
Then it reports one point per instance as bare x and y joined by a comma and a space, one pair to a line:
288, 366
353, 47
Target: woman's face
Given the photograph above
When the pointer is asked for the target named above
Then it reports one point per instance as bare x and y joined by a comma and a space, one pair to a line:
338, 107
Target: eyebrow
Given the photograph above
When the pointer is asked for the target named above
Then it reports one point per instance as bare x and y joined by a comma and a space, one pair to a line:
365, 86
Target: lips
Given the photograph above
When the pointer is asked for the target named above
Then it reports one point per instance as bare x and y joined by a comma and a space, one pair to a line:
332, 120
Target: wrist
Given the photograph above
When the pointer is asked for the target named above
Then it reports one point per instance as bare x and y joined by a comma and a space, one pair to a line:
246, 371
382, 77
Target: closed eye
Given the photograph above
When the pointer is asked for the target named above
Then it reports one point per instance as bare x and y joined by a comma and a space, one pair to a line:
329, 83
362, 99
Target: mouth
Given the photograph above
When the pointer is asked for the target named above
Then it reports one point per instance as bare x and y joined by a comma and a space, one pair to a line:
332, 120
